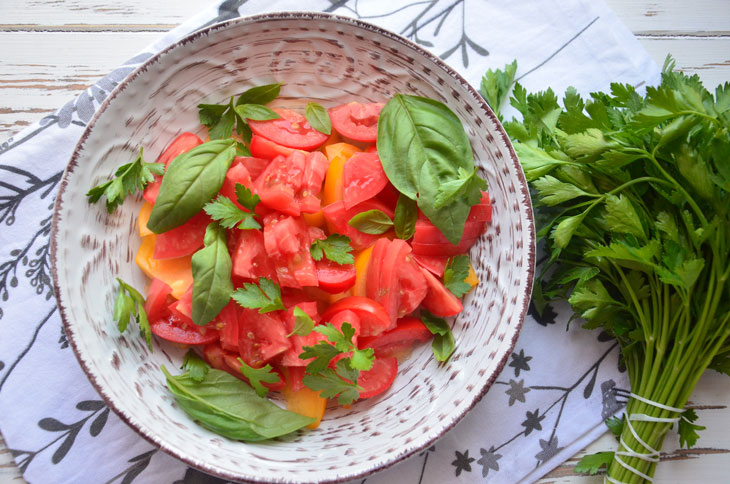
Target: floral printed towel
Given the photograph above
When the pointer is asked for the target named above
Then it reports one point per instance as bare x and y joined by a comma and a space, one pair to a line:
547, 404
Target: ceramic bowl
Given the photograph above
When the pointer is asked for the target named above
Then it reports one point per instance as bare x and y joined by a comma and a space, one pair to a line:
329, 60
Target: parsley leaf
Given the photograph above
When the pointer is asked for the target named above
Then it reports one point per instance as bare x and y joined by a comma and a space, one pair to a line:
222, 118
615, 425
335, 247
331, 385
590, 464
443, 344
128, 179
224, 210
457, 270
130, 304
688, 429
496, 85
303, 324
246, 197
257, 375
196, 366
266, 296
468, 186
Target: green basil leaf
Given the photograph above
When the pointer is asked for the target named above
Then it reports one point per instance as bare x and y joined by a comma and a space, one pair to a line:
212, 285
415, 131
450, 219
406, 215
318, 118
257, 112
191, 180
443, 344
259, 94
371, 222
229, 407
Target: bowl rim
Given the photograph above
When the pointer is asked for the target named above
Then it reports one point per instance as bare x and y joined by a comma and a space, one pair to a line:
523, 190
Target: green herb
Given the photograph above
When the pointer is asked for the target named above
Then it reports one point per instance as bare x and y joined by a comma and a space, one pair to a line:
256, 112
496, 86
456, 272
443, 344
195, 366
591, 464
318, 118
212, 285
260, 94
405, 218
373, 222
426, 155
615, 425
266, 296
257, 375
687, 428
128, 179
341, 381
631, 195
335, 247
224, 210
222, 118
130, 303
229, 407
303, 323
192, 180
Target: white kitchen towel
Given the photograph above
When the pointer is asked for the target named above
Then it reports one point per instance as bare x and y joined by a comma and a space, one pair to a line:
557, 387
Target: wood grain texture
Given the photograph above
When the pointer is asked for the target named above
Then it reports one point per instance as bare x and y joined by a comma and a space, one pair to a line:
674, 17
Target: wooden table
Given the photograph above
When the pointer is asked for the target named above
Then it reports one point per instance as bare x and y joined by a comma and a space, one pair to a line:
50, 51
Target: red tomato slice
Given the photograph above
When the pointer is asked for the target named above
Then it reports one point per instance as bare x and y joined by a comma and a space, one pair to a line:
237, 173
254, 166
482, 211
428, 239
407, 333
363, 178
295, 375
183, 143
185, 304
261, 147
156, 303
182, 240
378, 378
262, 337
229, 332
216, 357
178, 328
347, 316
434, 263
382, 285
357, 121
439, 300
291, 184
291, 130
291, 356
373, 317
338, 217
287, 243
335, 278
249, 257
389, 196
412, 287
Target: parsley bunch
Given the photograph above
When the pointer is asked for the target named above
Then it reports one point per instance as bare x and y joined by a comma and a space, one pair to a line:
632, 194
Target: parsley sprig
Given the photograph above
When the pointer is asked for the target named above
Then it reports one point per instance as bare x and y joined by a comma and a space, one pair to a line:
128, 178
335, 247
455, 274
130, 304
224, 210
264, 296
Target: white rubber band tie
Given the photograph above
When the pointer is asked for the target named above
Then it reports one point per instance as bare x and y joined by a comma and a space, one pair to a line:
650, 457
641, 417
651, 450
612, 480
632, 469
655, 404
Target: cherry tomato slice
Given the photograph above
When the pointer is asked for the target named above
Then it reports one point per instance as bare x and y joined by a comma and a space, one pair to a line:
357, 121
183, 143
363, 178
378, 378
408, 333
439, 300
291, 130
373, 317
335, 278
261, 147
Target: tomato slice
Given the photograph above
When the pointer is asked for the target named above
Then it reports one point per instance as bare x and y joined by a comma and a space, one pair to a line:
182, 240
183, 143
373, 317
156, 303
378, 378
254, 166
434, 263
357, 121
363, 178
291, 184
439, 300
229, 332
177, 273
338, 154
248, 256
335, 278
412, 286
399, 340
338, 216
346, 316
291, 130
178, 328
291, 356
236, 174
261, 337
286, 240
261, 147
428, 239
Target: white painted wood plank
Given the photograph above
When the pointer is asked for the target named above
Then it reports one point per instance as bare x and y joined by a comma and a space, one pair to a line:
9, 473
708, 57
673, 16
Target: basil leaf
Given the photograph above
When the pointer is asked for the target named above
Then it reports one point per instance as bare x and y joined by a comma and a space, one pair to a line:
259, 94
406, 215
191, 180
212, 285
227, 406
414, 132
318, 118
371, 222
257, 112
443, 339
449, 219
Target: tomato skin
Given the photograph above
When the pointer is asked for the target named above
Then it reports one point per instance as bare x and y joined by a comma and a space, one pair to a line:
291, 130
177, 328
156, 303
261, 147
379, 378
373, 317
439, 300
357, 121
335, 278
182, 240
407, 333
363, 178
436, 264
183, 143
412, 286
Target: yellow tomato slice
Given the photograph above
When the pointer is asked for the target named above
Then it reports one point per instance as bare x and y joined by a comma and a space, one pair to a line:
362, 262
305, 402
144, 216
314, 219
177, 273
338, 154
472, 278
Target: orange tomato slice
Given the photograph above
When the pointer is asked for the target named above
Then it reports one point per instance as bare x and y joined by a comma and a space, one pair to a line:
144, 216
305, 402
176, 273
338, 154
